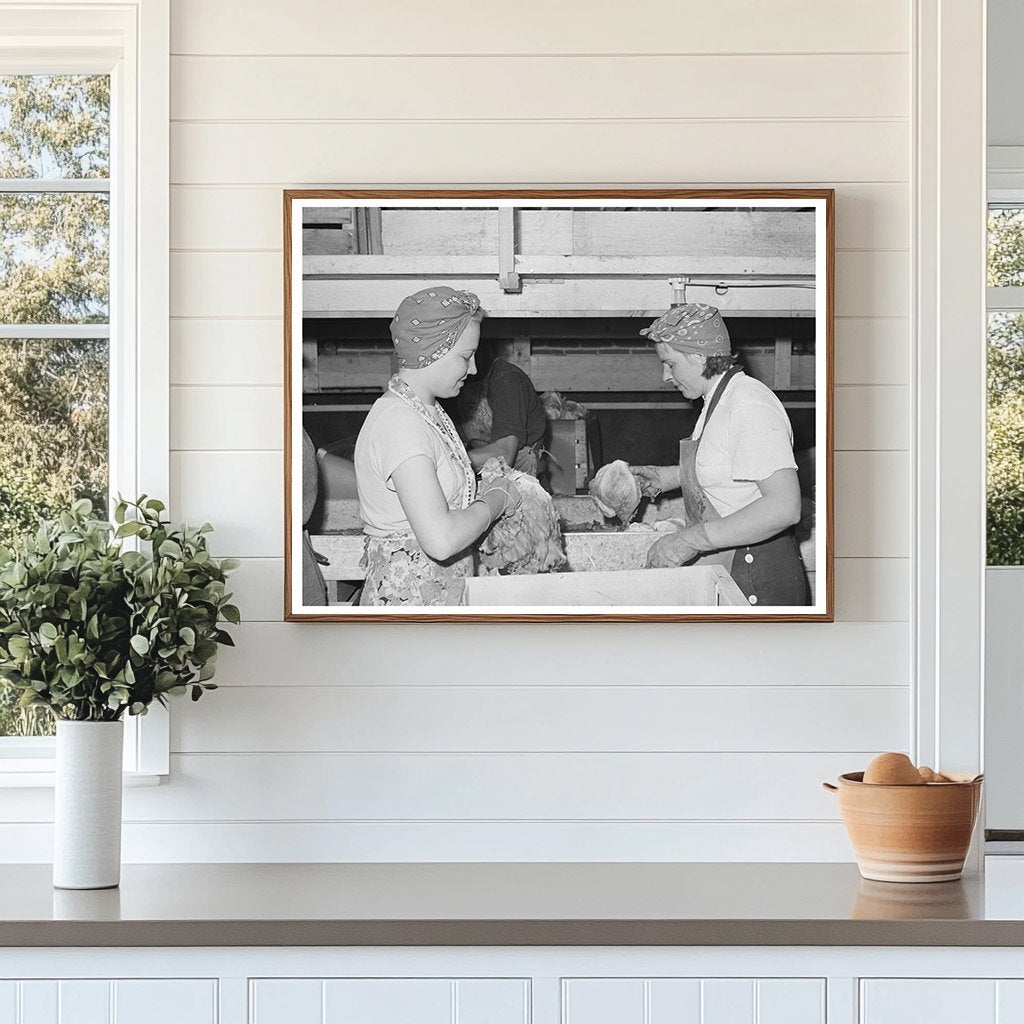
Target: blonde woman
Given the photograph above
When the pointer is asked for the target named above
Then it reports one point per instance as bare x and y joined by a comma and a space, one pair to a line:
417, 489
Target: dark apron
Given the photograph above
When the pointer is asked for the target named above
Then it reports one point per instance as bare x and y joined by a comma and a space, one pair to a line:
769, 572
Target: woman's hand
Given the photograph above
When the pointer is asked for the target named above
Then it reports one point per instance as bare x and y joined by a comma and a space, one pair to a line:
679, 548
442, 532
502, 497
655, 480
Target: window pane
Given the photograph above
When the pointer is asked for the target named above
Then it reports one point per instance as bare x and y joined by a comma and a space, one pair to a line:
54, 126
1005, 439
1005, 246
53, 449
54, 257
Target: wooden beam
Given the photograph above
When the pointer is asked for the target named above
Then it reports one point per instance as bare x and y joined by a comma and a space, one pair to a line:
354, 370
508, 279
368, 231
596, 232
694, 266
783, 364
569, 297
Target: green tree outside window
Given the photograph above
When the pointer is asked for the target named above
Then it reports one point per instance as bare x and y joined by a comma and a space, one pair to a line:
1005, 478
54, 271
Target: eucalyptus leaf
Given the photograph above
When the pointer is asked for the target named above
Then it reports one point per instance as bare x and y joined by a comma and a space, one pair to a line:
170, 549
91, 630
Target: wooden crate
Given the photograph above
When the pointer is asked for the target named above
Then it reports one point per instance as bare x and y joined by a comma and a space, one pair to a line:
569, 463
699, 586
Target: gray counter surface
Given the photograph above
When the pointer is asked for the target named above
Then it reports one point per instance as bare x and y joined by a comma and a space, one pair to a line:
494, 904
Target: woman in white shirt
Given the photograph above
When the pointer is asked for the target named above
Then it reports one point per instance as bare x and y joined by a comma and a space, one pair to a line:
736, 473
417, 490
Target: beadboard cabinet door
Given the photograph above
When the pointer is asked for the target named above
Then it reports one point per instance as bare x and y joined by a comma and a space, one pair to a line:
941, 1001
693, 1001
388, 1001
102, 1001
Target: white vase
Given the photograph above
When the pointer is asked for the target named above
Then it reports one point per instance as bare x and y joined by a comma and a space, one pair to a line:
87, 805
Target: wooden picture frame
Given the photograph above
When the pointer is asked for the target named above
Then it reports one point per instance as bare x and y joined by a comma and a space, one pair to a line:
360, 245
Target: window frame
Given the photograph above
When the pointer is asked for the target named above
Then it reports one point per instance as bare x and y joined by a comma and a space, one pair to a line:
1002, 713
130, 41
1005, 298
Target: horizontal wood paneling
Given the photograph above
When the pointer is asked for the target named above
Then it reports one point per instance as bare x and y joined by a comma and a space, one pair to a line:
584, 654
872, 283
329, 841
481, 787
227, 352
872, 589
259, 584
872, 350
539, 88
234, 418
632, 718
460, 787
867, 589
464, 27
872, 418
868, 216
872, 501
820, 96
234, 284
571, 152
227, 284
242, 493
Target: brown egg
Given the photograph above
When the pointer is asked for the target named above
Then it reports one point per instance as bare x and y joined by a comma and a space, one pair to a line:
927, 774
892, 770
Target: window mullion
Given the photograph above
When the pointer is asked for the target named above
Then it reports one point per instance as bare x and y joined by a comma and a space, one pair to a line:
62, 332
1007, 299
54, 185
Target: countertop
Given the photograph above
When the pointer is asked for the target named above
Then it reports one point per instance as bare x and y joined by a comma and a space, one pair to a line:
488, 904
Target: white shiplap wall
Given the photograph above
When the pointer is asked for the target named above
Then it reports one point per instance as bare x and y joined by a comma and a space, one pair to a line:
681, 741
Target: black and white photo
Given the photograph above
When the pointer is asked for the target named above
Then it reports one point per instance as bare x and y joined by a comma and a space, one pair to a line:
560, 405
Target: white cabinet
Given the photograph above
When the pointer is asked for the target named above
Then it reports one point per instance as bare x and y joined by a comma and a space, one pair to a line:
942, 1001
102, 1001
693, 1001
388, 1001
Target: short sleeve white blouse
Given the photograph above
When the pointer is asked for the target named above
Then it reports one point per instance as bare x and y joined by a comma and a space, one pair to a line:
748, 438
391, 434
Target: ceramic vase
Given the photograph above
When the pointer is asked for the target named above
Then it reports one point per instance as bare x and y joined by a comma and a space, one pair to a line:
87, 805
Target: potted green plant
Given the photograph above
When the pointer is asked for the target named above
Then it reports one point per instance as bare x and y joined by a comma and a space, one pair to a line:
98, 620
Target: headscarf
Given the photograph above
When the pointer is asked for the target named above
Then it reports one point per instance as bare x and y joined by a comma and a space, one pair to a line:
692, 327
428, 323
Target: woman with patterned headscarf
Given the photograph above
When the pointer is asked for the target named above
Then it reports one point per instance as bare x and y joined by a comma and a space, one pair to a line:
417, 489
737, 473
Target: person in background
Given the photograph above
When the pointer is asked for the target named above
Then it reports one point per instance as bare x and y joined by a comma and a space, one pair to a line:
417, 489
736, 473
501, 415
314, 589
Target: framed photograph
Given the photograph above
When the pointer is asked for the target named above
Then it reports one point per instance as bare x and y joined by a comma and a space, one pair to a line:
559, 405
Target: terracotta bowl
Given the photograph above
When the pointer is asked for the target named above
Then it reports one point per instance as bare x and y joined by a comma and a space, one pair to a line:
909, 833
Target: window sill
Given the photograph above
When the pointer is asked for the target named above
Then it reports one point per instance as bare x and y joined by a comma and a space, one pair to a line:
44, 778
